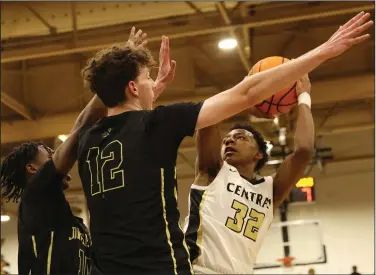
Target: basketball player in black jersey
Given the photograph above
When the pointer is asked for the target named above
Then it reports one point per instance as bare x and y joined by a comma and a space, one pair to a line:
127, 161
51, 239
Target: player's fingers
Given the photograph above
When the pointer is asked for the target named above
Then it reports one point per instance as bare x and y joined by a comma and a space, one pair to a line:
360, 29
143, 44
353, 20
132, 32
173, 65
167, 43
143, 37
358, 23
138, 34
172, 69
162, 46
359, 39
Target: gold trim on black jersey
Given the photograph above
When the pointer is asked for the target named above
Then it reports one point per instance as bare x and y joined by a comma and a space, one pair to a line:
50, 253
34, 246
166, 222
195, 228
184, 242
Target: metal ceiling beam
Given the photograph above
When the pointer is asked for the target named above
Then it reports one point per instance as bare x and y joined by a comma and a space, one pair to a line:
51, 28
193, 6
74, 22
211, 30
54, 125
17, 106
223, 11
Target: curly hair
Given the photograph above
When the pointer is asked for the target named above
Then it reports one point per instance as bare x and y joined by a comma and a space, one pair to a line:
108, 73
259, 140
12, 174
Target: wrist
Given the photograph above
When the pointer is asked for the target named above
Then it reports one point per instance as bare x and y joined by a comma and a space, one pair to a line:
320, 54
304, 98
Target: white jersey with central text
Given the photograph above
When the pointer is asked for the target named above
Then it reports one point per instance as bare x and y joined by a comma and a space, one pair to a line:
228, 221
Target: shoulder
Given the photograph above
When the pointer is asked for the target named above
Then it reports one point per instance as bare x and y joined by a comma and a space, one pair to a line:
47, 173
173, 111
179, 119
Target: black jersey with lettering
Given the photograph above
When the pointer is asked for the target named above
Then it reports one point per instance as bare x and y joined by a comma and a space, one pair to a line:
51, 239
127, 167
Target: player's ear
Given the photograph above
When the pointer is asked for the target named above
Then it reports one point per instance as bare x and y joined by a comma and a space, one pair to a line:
132, 88
259, 155
31, 169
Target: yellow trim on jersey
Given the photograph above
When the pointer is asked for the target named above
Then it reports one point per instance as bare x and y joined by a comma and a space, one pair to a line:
166, 222
34, 246
184, 243
200, 230
50, 253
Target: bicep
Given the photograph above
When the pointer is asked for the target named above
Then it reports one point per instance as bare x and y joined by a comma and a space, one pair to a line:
288, 174
208, 146
66, 154
222, 106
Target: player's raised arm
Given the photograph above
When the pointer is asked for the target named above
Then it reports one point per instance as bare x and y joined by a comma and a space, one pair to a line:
292, 169
208, 147
262, 85
66, 154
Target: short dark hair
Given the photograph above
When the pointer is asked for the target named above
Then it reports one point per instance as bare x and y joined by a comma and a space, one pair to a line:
259, 140
13, 174
111, 69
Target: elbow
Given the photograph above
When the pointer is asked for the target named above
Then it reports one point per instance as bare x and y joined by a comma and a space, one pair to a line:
304, 153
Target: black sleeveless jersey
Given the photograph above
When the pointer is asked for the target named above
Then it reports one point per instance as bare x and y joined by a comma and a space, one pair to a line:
127, 167
51, 239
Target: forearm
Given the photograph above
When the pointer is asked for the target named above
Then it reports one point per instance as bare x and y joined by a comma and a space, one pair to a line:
208, 146
305, 130
94, 110
66, 154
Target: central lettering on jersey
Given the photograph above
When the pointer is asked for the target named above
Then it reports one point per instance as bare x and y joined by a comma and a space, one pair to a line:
78, 235
258, 199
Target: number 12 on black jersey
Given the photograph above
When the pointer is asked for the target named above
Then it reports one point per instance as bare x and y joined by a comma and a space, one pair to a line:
105, 167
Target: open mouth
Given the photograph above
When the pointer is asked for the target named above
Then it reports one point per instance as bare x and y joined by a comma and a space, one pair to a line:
229, 151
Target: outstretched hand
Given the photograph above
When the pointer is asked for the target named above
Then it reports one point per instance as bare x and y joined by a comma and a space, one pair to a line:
347, 36
303, 85
136, 40
166, 70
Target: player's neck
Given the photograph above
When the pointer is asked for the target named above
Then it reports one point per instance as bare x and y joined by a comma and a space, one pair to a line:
247, 170
129, 105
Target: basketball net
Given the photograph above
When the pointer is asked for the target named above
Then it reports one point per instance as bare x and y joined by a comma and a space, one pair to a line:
286, 264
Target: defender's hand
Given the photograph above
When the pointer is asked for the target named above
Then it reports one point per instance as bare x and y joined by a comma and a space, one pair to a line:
303, 85
137, 40
166, 70
346, 36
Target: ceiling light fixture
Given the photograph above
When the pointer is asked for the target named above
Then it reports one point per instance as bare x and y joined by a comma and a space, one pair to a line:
62, 137
5, 218
227, 44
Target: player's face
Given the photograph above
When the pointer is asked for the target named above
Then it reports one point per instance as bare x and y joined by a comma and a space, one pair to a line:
239, 147
144, 84
42, 157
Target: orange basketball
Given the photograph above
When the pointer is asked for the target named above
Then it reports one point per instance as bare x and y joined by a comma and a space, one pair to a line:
283, 101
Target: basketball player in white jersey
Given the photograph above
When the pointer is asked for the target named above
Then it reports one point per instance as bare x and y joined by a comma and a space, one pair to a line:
230, 206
